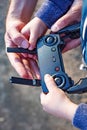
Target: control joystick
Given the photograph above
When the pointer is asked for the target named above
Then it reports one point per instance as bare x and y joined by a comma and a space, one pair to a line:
59, 80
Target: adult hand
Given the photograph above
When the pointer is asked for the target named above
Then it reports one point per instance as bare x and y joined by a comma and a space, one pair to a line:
56, 102
72, 16
25, 65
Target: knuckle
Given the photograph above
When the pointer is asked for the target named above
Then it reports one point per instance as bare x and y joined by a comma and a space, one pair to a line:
17, 39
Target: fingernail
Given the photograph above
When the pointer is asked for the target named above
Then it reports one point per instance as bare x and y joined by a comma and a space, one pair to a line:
31, 48
54, 28
24, 44
47, 76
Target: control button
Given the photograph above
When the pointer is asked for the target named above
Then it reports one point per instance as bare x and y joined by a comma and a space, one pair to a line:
57, 68
53, 59
53, 49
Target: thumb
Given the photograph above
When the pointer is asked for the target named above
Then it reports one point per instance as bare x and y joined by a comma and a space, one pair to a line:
51, 85
63, 22
18, 38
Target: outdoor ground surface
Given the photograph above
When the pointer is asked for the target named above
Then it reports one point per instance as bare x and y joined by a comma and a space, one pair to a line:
20, 107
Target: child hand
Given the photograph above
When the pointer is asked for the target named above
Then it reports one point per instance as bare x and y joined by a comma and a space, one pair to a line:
33, 30
56, 102
72, 16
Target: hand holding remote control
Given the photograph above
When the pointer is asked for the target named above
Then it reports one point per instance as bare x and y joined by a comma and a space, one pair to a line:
50, 61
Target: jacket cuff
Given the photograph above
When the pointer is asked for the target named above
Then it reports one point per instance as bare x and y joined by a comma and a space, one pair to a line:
50, 11
80, 117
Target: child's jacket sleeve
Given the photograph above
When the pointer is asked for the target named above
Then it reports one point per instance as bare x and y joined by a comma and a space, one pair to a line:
80, 117
51, 10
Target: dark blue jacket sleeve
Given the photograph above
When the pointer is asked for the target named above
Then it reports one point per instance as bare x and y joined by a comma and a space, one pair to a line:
80, 118
84, 31
51, 10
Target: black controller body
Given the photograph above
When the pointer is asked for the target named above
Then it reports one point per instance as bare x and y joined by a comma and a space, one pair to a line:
51, 62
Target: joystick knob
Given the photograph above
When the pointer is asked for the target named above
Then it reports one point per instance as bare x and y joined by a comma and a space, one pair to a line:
50, 40
59, 80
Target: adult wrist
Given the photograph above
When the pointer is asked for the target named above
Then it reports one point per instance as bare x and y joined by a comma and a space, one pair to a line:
21, 9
